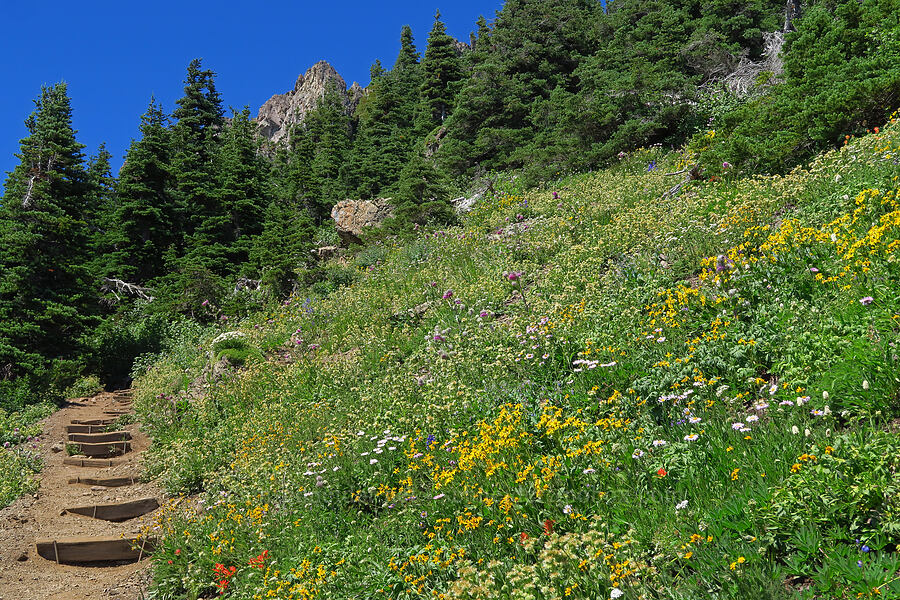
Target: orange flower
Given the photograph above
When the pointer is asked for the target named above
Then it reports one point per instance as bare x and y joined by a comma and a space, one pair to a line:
662, 472
548, 526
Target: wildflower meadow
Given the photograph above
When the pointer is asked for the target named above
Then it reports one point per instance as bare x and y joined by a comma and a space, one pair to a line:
601, 387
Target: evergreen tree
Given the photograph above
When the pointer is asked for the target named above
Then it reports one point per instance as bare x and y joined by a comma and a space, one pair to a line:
534, 49
386, 134
408, 56
441, 71
146, 216
99, 207
47, 296
283, 247
423, 194
195, 145
244, 186
319, 146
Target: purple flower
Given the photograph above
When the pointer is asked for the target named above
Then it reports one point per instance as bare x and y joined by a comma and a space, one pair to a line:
726, 165
556, 195
484, 314
865, 548
651, 166
867, 300
813, 270
514, 275
204, 303
448, 294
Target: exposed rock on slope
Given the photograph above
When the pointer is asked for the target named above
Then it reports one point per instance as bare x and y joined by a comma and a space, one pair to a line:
282, 111
353, 217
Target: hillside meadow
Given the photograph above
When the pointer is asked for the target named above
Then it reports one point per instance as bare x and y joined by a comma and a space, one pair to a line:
603, 387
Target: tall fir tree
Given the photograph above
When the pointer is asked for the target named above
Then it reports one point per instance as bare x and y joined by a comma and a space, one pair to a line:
195, 144
244, 187
386, 132
319, 147
534, 49
441, 74
47, 294
146, 216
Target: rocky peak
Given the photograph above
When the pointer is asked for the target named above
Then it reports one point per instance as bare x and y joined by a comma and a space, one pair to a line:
282, 111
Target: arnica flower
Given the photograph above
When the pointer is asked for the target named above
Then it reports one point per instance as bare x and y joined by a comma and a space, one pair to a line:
866, 300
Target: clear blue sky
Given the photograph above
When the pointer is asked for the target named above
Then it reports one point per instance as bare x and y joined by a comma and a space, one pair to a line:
115, 54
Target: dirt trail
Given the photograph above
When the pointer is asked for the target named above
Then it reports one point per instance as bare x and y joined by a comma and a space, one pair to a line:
23, 573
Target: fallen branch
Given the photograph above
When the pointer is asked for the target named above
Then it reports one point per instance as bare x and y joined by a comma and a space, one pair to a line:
113, 286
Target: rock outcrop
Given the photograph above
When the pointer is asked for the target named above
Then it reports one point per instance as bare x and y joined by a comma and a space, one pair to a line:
282, 111
353, 217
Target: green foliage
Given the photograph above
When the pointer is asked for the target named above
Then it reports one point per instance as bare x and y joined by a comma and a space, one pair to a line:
85, 386
47, 300
146, 219
840, 79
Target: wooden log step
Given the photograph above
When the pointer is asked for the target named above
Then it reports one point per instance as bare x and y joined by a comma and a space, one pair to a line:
106, 482
85, 428
116, 411
90, 462
93, 421
94, 549
121, 511
103, 449
109, 436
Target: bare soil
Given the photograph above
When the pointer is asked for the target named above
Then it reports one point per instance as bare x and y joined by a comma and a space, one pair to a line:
24, 574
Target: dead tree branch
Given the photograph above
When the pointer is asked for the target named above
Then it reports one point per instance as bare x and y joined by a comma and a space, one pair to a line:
117, 286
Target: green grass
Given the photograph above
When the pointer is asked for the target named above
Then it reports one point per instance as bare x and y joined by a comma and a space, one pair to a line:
682, 396
19, 460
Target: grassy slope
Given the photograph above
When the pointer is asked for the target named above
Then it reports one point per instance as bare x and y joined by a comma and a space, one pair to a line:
640, 420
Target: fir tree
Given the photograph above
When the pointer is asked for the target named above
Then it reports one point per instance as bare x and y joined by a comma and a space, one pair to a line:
47, 296
423, 194
146, 217
194, 146
244, 185
441, 72
283, 247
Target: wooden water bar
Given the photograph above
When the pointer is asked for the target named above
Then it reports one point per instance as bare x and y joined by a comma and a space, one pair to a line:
94, 549
121, 511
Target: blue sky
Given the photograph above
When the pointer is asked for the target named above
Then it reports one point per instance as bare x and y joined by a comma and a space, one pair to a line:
115, 54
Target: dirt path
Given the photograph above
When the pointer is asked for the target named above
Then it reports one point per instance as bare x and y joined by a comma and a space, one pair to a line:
23, 573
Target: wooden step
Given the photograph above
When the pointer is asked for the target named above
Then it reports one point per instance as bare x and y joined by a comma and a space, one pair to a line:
86, 428
90, 462
94, 549
93, 421
103, 449
106, 482
115, 412
121, 511
109, 436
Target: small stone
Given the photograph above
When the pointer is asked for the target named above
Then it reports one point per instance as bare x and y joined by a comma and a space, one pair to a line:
23, 557
57, 448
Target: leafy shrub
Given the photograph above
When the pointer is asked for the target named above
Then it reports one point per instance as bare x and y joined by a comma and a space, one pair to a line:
85, 386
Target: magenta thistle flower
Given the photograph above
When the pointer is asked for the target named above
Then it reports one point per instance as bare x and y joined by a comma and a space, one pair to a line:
448, 294
514, 275
556, 195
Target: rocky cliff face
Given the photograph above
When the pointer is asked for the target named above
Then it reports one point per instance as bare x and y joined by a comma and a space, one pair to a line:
282, 111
